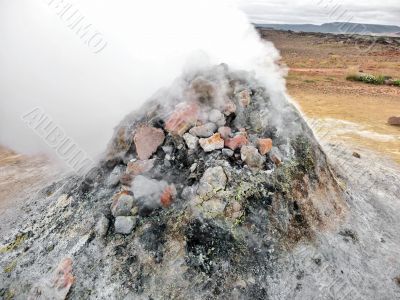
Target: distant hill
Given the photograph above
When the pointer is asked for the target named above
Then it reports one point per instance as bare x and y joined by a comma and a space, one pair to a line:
336, 27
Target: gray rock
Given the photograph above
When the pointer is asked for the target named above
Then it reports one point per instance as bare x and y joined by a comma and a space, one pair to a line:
102, 226
124, 225
115, 175
217, 117
122, 206
213, 180
227, 152
251, 156
191, 141
204, 131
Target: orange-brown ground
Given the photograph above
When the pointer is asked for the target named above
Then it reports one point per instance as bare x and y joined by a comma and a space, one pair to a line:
351, 111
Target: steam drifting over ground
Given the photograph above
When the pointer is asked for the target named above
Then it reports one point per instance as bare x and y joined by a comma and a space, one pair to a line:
46, 64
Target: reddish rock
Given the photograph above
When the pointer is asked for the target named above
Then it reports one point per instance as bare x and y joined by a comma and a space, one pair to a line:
244, 98
147, 139
264, 146
225, 132
138, 167
167, 196
182, 119
63, 278
212, 143
57, 286
236, 142
394, 121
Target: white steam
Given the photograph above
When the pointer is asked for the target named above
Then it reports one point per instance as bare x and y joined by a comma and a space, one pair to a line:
43, 63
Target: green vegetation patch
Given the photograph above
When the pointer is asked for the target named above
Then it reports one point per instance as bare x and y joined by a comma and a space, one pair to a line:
367, 78
19, 240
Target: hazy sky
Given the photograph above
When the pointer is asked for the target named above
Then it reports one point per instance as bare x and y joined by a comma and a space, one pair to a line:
323, 11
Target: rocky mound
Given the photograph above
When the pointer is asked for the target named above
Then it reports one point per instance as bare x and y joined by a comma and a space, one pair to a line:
198, 194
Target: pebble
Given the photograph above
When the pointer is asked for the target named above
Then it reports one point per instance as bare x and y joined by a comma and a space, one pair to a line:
124, 225
102, 226
227, 152
264, 146
203, 131
122, 205
192, 142
212, 143
236, 142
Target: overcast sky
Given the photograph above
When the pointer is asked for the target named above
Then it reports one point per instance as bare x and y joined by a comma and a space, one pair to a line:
323, 11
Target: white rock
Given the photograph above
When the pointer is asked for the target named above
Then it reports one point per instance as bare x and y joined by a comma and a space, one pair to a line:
191, 141
124, 225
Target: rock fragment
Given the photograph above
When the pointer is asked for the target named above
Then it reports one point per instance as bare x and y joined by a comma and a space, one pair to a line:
184, 117
115, 176
227, 152
122, 205
147, 139
102, 226
203, 131
124, 224
251, 156
212, 143
57, 286
236, 142
264, 146
138, 167
192, 142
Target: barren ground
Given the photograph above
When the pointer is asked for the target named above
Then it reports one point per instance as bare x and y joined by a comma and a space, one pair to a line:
352, 111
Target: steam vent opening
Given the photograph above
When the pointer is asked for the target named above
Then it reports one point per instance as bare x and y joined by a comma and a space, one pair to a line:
198, 195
